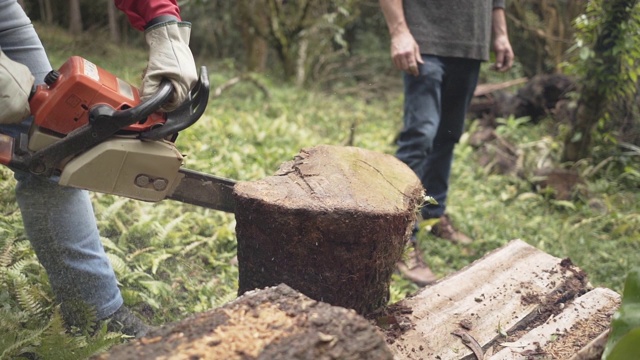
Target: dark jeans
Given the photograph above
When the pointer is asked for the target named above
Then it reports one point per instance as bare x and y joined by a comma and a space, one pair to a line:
435, 107
59, 221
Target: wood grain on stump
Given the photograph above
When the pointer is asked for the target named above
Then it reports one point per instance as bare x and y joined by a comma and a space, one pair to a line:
331, 223
273, 323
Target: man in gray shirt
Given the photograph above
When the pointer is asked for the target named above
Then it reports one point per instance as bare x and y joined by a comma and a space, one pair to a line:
439, 45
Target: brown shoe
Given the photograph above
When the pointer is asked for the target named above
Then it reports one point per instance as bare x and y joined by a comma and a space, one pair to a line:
444, 229
415, 269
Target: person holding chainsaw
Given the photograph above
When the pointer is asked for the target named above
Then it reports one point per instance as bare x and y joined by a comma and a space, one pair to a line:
59, 221
439, 45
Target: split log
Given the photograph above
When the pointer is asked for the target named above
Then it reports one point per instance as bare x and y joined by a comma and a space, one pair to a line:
332, 224
273, 323
515, 303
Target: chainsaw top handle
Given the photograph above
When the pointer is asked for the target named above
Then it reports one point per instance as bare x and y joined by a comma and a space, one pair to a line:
141, 111
186, 114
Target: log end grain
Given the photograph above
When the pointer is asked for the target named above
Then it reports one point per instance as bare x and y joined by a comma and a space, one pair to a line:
338, 178
272, 323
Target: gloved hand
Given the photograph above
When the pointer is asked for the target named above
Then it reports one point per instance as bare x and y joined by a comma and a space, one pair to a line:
170, 58
16, 82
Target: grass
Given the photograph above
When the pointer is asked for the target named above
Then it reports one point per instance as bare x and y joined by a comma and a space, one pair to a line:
174, 259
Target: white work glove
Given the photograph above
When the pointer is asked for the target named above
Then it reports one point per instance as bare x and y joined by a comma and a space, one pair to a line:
169, 58
16, 82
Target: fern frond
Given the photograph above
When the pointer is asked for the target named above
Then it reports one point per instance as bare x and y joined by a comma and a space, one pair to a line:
155, 263
156, 287
119, 265
110, 245
28, 302
18, 343
102, 341
19, 265
114, 209
164, 231
6, 254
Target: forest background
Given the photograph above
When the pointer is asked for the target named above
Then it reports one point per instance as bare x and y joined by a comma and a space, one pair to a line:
286, 75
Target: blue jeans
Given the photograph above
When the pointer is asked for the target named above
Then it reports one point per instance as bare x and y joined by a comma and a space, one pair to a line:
435, 106
58, 221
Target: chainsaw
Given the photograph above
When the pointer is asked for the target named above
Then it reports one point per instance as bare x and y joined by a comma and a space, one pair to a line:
90, 130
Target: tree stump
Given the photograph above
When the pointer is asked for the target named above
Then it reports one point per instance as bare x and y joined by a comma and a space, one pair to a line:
331, 223
274, 323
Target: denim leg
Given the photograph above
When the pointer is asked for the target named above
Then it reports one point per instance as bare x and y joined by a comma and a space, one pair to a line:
58, 221
434, 121
422, 95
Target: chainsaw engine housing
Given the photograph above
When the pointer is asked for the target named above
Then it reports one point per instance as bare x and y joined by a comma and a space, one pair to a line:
122, 165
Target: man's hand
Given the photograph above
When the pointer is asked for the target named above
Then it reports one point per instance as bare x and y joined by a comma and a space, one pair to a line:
504, 53
169, 58
405, 52
501, 44
16, 83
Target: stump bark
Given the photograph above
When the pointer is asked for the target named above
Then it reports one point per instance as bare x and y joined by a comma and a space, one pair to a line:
273, 323
331, 223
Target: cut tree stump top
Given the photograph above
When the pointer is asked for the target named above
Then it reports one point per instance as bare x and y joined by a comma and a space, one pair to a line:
515, 303
312, 183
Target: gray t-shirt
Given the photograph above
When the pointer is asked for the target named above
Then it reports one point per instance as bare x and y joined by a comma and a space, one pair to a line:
455, 28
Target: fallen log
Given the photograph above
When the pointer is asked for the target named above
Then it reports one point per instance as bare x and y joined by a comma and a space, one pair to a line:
515, 303
273, 323
540, 96
332, 224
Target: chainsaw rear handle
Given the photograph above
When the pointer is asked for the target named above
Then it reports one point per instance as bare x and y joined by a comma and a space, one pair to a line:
186, 114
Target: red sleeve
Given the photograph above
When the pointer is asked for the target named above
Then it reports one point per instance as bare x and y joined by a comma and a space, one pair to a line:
141, 12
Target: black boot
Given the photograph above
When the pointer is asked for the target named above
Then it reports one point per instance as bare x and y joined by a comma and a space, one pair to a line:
126, 322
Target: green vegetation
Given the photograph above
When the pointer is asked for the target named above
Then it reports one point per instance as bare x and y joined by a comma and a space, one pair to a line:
625, 327
174, 259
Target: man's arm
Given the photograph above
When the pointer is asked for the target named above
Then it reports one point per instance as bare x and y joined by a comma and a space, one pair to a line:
169, 54
16, 82
501, 44
405, 52
142, 13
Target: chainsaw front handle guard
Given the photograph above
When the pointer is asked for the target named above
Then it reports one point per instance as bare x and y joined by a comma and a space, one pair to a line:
104, 122
186, 114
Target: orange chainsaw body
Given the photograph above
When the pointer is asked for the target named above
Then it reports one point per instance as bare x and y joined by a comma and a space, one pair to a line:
63, 103
91, 131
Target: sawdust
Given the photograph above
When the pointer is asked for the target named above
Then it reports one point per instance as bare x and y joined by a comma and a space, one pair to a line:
579, 335
247, 332
273, 323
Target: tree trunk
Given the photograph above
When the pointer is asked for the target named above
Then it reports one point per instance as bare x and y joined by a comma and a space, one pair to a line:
114, 29
331, 224
253, 21
274, 323
46, 11
593, 101
75, 17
